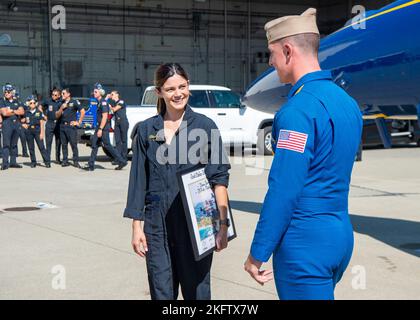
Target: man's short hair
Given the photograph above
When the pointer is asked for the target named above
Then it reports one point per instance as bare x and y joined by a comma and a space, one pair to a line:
307, 42
67, 90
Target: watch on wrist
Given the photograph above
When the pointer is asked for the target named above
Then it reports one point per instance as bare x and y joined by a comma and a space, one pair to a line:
225, 222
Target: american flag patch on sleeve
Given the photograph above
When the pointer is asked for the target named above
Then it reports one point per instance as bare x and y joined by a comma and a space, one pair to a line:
292, 140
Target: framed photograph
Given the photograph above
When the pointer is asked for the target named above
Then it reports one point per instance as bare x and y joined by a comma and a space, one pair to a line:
201, 211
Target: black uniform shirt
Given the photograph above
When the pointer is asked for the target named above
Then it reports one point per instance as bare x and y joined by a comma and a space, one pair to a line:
121, 114
33, 118
102, 108
70, 113
10, 104
51, 107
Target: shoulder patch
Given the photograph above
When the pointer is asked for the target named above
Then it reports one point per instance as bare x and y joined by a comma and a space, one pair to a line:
292, 140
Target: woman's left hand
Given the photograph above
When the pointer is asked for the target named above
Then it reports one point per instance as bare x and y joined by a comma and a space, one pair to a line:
222, 238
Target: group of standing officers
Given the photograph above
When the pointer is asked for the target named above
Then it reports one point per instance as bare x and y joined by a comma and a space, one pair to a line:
56, 119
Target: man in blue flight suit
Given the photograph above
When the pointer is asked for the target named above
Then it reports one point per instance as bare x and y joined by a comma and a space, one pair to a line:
67, 114
102, 131
118, 107
10, 111
34, 130
304, 221
52, 127
22, 135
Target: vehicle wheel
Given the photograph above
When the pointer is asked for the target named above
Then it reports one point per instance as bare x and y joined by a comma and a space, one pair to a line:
264, 145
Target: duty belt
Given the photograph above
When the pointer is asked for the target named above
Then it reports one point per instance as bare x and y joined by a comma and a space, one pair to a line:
34, 126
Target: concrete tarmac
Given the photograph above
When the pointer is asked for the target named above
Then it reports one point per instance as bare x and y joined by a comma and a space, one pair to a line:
79, 246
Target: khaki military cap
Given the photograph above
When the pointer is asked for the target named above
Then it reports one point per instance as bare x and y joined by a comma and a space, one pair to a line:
291, 25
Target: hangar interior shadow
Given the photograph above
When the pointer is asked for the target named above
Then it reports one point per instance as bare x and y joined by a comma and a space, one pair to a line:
401, 234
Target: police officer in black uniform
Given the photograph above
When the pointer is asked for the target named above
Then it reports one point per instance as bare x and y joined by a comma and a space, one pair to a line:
102, 131
22, 135
10, 111
52, 127
118, 107
34, 130
68, 126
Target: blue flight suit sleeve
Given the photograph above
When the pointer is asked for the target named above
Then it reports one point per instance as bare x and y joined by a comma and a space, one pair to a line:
286, 181
137, 183
217, 168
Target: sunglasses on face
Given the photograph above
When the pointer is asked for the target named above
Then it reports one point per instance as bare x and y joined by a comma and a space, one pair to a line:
32, 102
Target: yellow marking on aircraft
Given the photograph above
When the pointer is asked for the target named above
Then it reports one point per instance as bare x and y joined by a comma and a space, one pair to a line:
395, 117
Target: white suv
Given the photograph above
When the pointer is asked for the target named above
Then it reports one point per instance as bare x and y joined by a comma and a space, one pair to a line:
238, 125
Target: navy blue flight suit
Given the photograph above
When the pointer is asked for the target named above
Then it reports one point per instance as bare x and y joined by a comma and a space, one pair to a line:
68, 133
33, 120
10, 133
121, 128
96, 142
52, 127
22, 134
304, 221
153, 196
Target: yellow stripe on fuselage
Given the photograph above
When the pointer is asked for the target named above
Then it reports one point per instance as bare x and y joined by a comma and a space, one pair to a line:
408, 4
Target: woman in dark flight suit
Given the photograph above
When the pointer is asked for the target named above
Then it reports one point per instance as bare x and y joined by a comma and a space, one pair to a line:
160, 148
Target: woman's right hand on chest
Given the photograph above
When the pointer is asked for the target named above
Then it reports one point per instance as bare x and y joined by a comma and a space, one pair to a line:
138, 240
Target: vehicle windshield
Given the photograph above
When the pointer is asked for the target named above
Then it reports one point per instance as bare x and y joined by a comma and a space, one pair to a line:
150, 98
226, 99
